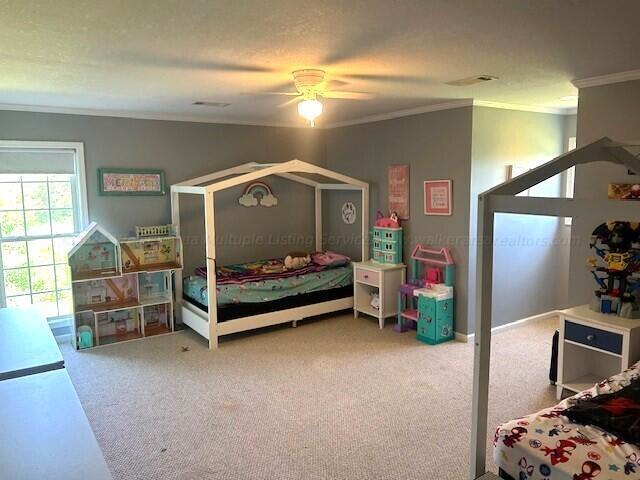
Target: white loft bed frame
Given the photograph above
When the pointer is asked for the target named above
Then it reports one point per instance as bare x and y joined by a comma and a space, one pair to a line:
502, 199
206, 323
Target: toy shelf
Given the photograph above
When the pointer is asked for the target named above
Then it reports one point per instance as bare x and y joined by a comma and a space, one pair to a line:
151, 254
118, 325
94, 275
123, 305
157, 319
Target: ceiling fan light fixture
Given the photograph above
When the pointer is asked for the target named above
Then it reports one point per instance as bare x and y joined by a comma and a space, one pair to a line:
310, 109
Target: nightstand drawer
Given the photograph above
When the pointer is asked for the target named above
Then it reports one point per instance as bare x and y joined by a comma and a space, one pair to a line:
593, 337
368, 276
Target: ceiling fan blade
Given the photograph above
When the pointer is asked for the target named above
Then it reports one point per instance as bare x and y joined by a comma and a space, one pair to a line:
386, 77
334, 84
184, 63
348, 95
290, 102
288, 94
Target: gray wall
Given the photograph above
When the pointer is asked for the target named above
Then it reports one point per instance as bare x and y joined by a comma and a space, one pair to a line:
437, 146
529, 250
185, 150
612, 111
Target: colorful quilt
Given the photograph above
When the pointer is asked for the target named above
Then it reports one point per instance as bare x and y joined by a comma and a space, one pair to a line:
260, 270
243, 284
547, 446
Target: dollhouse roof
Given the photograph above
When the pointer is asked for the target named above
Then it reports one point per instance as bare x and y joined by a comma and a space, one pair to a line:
86, 234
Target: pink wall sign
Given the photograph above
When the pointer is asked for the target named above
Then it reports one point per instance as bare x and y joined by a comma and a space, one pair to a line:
399, 190
437, 197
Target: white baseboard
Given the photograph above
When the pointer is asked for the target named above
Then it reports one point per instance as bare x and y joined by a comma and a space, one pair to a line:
461, 337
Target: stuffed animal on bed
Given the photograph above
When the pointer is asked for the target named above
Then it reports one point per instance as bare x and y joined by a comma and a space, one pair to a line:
296, 260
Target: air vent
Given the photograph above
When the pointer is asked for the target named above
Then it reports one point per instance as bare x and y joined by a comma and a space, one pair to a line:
212, 104
463, 82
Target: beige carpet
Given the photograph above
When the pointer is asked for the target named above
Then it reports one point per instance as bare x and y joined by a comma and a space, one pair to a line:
331, 399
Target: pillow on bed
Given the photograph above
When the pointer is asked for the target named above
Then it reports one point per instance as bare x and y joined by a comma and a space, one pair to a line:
330, 259
617, 413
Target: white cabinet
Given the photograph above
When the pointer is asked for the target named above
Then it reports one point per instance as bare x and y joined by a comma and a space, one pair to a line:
371, 278
594, 346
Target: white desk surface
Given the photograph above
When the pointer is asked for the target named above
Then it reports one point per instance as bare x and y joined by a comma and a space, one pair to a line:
27, 345
583, 312
45, 433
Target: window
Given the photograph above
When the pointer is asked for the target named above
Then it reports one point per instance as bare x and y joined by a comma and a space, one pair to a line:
570, 180
42, 208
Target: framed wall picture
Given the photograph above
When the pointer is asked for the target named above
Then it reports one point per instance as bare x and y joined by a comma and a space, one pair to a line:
398, 190
437, 197
624, 191
130, 181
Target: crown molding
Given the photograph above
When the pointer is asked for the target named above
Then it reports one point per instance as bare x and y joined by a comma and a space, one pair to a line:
357, 121
525, 108
402, 113
140, 115
607, 79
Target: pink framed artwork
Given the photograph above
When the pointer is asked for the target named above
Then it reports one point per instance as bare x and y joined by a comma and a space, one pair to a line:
398, 190
437, 197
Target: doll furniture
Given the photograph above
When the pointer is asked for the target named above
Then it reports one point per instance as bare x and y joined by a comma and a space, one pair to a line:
129, 293
427, 300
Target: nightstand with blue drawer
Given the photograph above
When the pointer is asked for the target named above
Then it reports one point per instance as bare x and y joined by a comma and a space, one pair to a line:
594, 346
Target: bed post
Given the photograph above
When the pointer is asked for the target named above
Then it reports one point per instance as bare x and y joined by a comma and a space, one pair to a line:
318, 203
365, 223
482, 351
177, 274
210, 238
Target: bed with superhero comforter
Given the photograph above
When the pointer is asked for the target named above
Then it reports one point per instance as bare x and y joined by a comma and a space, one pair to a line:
593, 435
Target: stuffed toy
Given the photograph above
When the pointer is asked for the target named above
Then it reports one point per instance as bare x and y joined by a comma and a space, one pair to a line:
296, 260
391, 221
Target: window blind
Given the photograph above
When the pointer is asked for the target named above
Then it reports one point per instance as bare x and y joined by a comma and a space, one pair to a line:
30, 161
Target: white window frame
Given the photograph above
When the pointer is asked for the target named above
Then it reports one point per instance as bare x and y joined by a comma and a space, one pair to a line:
81, 207
570, 180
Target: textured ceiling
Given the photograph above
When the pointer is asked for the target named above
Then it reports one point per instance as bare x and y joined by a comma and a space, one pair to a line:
158, 57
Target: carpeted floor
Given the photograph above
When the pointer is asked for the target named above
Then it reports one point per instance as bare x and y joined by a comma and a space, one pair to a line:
331, 399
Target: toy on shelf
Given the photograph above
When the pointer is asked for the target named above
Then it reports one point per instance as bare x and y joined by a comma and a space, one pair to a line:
616, 268
431, 287
155, 231
95, 254
387, 239
111, 304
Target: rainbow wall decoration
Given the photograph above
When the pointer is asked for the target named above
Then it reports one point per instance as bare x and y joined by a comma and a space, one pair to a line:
258, 193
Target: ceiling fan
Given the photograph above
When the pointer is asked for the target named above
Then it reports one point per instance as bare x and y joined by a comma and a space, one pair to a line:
312, 87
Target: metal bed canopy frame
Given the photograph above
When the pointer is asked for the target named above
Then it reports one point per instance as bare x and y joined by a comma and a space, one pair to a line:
503, 199
207, 185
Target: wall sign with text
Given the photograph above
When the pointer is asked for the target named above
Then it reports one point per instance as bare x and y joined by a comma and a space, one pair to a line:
398, 190
437, 197
129, 181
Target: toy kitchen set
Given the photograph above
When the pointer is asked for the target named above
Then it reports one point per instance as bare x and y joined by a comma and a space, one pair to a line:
431, 288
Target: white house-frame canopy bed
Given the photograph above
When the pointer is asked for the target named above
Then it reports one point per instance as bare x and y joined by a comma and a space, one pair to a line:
503, 199
205, 321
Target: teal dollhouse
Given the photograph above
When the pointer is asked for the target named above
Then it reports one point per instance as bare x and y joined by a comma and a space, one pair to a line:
387, 245
431, 288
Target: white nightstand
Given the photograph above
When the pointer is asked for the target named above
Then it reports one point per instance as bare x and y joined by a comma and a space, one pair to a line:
384, 279
593, 346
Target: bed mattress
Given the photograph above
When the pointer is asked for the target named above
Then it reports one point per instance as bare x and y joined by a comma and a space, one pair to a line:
546, 445
269, 289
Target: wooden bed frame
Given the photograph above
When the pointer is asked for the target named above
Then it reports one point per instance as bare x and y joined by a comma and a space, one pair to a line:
503, 199
206, 322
